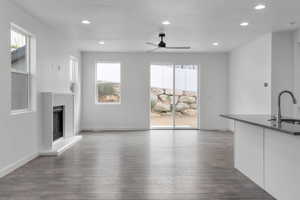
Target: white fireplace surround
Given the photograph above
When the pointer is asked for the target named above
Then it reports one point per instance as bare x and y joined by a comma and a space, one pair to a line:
51, 100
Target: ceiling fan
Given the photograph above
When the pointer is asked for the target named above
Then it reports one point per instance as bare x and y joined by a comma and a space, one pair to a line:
163, 45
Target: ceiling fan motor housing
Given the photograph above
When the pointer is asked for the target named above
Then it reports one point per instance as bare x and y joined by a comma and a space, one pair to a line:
162, 44
162, 35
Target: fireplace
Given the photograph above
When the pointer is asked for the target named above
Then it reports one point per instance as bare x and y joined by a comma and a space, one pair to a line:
58, 122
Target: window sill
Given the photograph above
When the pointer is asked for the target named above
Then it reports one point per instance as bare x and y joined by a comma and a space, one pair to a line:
20, 112
98, 103
19, 72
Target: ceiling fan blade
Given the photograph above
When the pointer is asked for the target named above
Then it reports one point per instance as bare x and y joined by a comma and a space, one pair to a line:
152, 44
178, 47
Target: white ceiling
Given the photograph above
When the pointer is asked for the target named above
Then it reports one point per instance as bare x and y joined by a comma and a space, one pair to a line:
125, 25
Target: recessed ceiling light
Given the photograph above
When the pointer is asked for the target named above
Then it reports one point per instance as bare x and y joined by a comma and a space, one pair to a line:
215, 44
101, 42
244, 24
260, 7
166, 22
85, 22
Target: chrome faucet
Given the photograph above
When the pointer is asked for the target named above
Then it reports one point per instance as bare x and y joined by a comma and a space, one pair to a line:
279, 116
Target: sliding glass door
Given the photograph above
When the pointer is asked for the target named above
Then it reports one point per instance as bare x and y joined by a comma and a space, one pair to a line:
186, 96
174, 96
161, 96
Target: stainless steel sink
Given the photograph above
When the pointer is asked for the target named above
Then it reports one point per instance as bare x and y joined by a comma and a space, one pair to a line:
287, 120
291, 121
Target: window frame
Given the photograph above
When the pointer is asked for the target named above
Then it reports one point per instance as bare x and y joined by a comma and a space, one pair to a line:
29, 52
96, 81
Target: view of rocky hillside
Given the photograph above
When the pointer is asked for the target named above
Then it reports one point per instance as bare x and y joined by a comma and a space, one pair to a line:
162, 105
108, 92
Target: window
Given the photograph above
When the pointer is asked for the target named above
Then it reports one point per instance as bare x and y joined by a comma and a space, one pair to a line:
20, 69
108, 83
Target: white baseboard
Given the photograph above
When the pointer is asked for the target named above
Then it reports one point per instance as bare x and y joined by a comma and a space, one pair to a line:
12, 167
216, 130
113, 129
145, 129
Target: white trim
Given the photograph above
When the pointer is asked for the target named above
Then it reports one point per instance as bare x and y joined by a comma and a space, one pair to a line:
19, 71
99, 130
29, 63
96, 130
12, 167
58, 93
176, 128
75, 69
21, 30
108, 103
21, 111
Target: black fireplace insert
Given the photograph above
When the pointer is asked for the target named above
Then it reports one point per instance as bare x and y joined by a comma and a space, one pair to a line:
58, 122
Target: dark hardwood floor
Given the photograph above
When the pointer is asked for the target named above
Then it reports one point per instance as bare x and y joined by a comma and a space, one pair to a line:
154, 165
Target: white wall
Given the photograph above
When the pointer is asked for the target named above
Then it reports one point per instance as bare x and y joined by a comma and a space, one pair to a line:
282, 70
20, 134
133, 112
270, 58
250, 68
297, 71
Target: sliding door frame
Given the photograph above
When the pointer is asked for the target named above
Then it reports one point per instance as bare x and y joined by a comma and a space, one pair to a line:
173, 127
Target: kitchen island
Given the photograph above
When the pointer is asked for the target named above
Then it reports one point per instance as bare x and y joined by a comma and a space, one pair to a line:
268, 153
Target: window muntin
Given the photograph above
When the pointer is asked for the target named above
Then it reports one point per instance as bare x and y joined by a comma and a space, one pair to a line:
20, 69
108, 83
